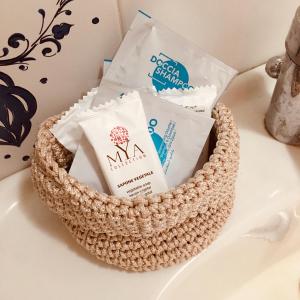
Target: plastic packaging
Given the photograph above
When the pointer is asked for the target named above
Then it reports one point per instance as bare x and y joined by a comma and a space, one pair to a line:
85, 167
178, 134
124, 149
152, 56
151, 59
168, 125
67, 130
200, 99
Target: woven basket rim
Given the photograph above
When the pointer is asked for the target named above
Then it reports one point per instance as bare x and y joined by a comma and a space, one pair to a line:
126, 201
181, 202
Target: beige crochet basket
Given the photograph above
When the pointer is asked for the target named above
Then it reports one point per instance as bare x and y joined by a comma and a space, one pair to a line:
145, 233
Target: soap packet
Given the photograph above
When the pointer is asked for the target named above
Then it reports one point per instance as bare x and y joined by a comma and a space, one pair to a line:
153, 56
86, 169
178, 134
125, 152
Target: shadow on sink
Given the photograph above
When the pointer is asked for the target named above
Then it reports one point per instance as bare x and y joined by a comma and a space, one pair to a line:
294, 151
50, 224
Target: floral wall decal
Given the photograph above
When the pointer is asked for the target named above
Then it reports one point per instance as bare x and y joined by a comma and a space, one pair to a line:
57, 80
17, 107
49, 37
61, 30
17, 104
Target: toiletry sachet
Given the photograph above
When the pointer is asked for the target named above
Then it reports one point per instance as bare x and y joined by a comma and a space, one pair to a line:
125, 152
178, 134
152, 56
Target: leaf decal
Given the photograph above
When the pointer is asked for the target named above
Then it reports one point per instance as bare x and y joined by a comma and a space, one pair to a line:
61, 30
50, 51
14, 40
5, 51
43, 14
17, 107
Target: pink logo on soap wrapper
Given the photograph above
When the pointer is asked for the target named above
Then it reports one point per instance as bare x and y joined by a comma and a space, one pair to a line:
125, 152
119, 135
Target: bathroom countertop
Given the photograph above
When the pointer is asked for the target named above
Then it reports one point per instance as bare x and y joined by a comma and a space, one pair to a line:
39, 259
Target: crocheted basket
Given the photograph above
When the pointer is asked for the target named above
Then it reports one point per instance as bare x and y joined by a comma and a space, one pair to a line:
144, 233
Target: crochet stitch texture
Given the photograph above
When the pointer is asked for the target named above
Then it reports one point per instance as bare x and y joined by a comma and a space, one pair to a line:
144, 233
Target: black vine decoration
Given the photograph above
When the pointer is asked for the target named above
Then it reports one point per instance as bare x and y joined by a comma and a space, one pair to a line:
17, 107
58, 32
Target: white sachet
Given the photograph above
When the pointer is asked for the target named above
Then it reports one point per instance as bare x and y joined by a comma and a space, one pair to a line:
67, 130
125, 152
178, 134
200, 99
153, 56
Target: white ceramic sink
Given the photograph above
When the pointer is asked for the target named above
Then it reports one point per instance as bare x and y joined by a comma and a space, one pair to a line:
255, 256
246, 269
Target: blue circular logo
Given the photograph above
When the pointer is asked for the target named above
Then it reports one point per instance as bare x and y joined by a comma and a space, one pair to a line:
170, 74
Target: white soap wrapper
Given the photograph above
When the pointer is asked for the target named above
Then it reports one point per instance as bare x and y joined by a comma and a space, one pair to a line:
153, 56
85, 167
67, 129
178, 134
125, 152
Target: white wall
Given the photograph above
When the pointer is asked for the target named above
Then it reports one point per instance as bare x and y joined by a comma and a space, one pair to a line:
242, 33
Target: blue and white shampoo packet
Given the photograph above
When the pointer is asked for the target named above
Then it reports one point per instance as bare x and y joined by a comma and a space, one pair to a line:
178, 134
153, 56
